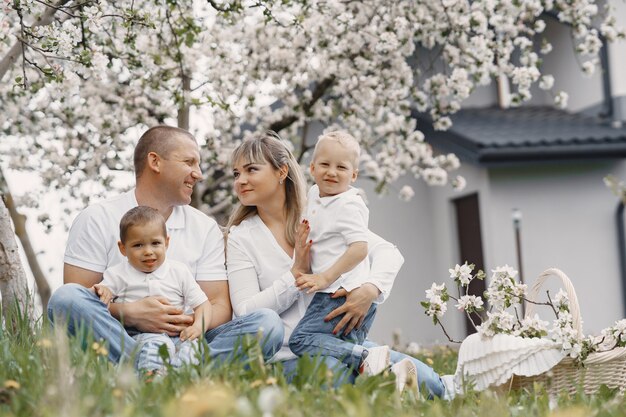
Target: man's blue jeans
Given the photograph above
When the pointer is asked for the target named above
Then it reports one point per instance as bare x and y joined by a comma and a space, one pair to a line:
77, 306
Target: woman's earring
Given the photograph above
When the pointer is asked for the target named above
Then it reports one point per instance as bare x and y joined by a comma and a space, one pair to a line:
281, 181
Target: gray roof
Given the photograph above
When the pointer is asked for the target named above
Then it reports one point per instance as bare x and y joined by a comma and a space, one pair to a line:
493, 135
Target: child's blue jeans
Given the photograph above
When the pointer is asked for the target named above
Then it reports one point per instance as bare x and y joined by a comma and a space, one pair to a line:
315, 336
148, 357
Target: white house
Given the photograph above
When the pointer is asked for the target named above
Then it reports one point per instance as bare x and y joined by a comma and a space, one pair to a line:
543, 163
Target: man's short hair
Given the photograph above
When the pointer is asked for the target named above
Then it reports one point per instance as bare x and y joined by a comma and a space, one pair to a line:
139, 216
156, 139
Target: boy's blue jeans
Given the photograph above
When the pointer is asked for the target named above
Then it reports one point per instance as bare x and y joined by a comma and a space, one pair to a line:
315, 336
77, 306
148, 357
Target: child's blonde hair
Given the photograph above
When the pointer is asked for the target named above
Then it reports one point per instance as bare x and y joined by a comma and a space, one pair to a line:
346, 140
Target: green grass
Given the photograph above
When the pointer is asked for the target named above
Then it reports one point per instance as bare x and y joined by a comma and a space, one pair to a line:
45, 373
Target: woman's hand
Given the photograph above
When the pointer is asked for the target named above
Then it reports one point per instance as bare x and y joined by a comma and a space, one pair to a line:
302, 250
358, 302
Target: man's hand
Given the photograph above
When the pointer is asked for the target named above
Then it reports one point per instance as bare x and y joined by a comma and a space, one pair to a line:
152, 315
191, 333
104, 293
358, 302
313, 282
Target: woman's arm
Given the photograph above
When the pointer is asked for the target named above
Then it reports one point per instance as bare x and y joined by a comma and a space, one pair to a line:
245, 292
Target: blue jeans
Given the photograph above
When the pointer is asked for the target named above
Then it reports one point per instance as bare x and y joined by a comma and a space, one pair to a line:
425, 374
315, 336
76, 306
148, 357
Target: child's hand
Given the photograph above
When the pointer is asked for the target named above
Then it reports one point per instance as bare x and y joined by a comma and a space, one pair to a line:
190, 333
103, 292
314, 282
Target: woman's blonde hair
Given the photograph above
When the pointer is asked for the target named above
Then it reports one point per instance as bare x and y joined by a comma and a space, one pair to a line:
270, 148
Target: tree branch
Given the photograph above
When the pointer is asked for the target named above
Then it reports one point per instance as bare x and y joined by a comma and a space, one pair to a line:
318, 93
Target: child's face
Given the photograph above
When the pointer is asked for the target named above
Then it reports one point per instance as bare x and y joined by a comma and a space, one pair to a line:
333, 168
145, 246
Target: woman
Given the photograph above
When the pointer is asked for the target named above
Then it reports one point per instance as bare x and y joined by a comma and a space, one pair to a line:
267, 248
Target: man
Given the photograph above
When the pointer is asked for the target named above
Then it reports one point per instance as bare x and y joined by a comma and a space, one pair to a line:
167, 166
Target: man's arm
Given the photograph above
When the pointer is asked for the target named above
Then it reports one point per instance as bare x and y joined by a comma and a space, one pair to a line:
217, 292
82, 276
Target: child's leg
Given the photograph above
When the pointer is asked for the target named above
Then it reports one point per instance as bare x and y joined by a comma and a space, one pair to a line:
186, 352
148, 357
314, 336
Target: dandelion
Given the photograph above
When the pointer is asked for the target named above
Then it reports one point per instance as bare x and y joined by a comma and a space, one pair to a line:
11, 384
413, 348
44, 343
270, 398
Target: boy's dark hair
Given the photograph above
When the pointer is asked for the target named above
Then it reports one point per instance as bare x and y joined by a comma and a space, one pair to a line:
139, 216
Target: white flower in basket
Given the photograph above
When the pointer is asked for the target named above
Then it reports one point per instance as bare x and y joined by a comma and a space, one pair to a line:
515, 351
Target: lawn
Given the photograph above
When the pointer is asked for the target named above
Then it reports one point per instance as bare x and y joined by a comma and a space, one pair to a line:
43, 373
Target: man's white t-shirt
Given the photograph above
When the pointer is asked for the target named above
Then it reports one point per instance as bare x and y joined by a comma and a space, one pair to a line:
195, 239
336, 222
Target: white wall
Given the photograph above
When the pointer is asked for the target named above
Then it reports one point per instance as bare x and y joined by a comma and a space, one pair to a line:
408, 226
617, 52
424, 230
569, 223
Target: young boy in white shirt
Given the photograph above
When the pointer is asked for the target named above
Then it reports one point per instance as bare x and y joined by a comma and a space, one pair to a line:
144, 241
338, 220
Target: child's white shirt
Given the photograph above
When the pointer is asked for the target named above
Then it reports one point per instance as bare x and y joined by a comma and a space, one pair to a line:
172, 280
336, 222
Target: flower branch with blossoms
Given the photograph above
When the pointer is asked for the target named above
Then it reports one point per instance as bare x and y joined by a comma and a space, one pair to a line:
505, 296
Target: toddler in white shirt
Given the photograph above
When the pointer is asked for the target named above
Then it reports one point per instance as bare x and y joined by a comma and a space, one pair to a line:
146, 272
338, 220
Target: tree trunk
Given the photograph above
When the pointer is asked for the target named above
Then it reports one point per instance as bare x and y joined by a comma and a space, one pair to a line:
12, 277
19, 221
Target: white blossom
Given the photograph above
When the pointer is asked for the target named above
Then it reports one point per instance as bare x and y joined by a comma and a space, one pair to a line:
463, 273
469, 303
406, 193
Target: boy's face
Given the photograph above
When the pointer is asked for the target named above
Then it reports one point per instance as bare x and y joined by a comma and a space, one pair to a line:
333, 168
145, 246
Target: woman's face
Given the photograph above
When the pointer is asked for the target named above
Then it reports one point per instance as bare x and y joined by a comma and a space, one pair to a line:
256, 182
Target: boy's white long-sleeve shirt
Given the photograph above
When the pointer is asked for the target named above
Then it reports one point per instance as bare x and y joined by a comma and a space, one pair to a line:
336, 222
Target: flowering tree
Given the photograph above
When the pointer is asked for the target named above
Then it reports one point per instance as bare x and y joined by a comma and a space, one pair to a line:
80, 80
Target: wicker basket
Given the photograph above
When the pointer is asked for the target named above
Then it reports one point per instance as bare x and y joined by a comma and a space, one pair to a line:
601, 368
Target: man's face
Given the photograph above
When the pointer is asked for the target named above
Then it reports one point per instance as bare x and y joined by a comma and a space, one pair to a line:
145, 246
180, 170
